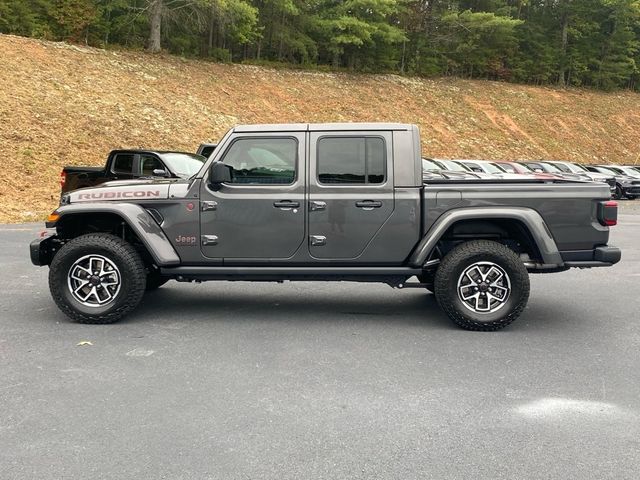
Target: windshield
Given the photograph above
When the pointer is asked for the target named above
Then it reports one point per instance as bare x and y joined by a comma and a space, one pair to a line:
632, 172
507, 167
552, 168
491, 168
430, 165
453, 166
580, 168
566, 167
606, 170
183, 164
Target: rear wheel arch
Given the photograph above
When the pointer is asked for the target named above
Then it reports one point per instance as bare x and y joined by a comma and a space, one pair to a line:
520, 228
511, 232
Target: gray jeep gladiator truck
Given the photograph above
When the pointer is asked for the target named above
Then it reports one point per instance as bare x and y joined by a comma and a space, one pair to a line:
323, 202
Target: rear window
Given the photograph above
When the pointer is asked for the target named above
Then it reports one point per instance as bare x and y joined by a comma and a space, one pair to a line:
123, 163
351, 160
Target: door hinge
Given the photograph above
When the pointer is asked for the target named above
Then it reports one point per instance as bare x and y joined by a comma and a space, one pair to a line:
209, 240
206, 206
318, 240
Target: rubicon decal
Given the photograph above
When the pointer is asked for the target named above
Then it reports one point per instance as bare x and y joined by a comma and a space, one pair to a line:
119, 194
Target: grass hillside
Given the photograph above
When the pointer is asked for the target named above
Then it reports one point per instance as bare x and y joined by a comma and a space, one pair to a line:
63, 104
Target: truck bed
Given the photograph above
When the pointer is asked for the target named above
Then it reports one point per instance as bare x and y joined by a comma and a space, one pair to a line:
569, 208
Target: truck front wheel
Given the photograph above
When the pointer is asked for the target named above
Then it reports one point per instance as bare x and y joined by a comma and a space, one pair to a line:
97, 278
482, 285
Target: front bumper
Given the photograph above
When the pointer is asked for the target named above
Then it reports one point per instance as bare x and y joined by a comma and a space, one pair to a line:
633, 190
42, 249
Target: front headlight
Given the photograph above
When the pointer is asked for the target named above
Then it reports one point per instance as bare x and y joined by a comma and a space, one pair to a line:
65, 199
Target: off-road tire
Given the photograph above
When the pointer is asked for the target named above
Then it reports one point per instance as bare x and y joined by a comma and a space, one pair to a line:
122, 254
155, 280
457, 261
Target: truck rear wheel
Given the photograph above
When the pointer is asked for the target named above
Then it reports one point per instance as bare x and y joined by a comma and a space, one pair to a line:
97, 278
482, 285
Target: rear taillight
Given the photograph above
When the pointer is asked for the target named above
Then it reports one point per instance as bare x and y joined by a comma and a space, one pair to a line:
608, 213
63, 178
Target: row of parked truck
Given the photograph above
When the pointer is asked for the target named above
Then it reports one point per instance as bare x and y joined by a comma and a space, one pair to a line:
623, 180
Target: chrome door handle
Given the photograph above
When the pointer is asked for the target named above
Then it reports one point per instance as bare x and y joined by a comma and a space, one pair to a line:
316, 205
368, 204
286, 204
318, 240
207, 206
209, 240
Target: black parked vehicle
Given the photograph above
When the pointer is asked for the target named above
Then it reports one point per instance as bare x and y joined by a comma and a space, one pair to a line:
206, 149
132, 164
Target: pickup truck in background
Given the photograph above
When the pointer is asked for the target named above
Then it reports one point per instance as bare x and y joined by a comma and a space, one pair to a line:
132, 164
324, 202
206, 149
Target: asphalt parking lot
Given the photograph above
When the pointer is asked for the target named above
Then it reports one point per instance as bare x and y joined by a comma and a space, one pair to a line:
326, 381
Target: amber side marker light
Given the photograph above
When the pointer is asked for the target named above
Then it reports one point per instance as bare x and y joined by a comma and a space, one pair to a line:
53, 217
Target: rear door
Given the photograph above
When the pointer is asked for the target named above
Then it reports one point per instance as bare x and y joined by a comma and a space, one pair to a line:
350, 191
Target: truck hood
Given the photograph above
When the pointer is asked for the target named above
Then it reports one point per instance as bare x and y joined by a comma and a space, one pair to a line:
124, 190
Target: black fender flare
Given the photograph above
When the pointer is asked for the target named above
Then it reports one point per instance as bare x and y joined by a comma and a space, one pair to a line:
531, 219
138, 219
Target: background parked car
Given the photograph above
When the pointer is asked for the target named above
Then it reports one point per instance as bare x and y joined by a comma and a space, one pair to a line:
430, 167
576, 168
626, 186
453, 166
522, 169
624, 170
488, 168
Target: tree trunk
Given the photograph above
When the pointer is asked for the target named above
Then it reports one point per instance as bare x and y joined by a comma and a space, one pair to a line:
211, 27
156, 22
563, 58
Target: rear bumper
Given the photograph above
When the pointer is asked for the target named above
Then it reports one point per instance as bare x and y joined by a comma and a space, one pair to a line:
41, 250
602, 256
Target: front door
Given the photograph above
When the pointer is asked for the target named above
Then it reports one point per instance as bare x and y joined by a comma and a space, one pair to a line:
350, 191
260, 214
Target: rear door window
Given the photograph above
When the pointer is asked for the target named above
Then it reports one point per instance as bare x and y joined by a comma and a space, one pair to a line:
351, 160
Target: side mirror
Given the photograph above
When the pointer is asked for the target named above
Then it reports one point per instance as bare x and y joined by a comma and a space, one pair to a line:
159, 172
220, 173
